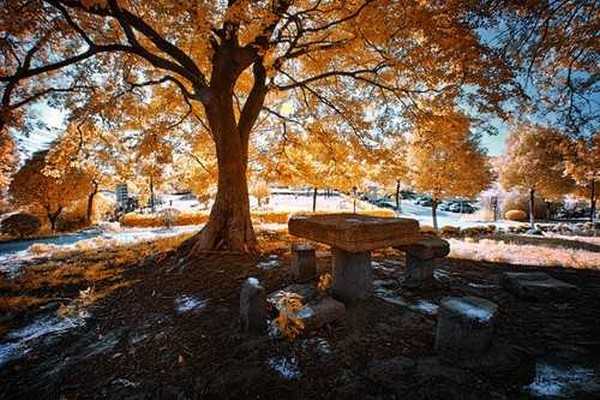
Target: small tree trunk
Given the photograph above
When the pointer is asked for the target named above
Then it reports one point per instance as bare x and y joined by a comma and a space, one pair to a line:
593, 200
90, 204
152, 208
398, 195
532, 208
314, 199
434, 204
53, 217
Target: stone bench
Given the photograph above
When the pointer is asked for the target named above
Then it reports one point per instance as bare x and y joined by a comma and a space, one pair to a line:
537, 286
352, 237
422, 257
465, 327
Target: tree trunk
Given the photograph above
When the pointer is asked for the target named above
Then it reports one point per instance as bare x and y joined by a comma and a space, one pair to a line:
434, 205
532, 208
90, 204
593, 201
229, 226
152, 208
52, 217
398, 196
314, 199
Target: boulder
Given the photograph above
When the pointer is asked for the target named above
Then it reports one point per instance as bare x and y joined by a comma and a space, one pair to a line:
318, 313
253, 306
465, 327
536, 285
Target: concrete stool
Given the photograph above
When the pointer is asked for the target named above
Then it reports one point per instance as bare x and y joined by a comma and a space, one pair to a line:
465, 327
422, 257
304, 264
253, 306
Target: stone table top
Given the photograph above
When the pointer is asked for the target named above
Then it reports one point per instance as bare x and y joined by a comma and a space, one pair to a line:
355, 233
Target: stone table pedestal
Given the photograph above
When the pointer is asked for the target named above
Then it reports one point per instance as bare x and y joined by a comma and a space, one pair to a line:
352, 275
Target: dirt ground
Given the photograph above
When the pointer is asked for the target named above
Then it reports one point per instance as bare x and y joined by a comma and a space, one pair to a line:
136, 344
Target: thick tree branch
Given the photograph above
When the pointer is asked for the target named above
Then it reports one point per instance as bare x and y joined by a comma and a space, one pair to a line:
254, 102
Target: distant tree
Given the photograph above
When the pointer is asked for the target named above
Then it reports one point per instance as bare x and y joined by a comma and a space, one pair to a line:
8, 162
319, 160
20, 225
534, 162
583, 165
197, 168
387, 166
96, 153
445, 159
154, 155
260, 190
34, 185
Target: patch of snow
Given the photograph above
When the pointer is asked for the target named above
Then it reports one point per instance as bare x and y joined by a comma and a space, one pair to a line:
125, 382
21, 341
390, 296
287, 367
253, 281
425, 307
482, 285
320, 344
553, 381
272, 262
305, 313
186, 303
469, 309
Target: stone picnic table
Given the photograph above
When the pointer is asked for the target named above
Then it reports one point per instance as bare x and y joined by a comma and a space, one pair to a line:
352, 237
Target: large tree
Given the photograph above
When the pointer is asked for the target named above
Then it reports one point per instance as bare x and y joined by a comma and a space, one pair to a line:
219, 64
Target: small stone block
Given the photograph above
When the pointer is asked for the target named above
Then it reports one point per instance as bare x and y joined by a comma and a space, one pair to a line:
253, 306
304, 264
536, 285
419, 271
465, 327
427, 248
315, 315
352, 275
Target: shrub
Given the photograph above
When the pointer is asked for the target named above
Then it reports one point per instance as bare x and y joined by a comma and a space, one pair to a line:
516, 215
450, 231
474, 231
520, 201
20, 225
427, 230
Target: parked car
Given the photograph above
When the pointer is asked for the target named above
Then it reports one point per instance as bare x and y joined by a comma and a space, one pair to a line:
425, 202
457, 206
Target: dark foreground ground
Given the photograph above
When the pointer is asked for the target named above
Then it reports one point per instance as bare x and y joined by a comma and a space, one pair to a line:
144, 339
